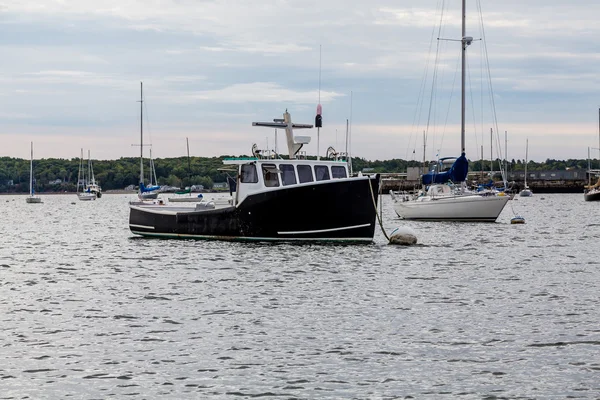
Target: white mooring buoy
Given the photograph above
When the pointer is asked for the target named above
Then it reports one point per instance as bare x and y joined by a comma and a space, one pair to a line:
403, 236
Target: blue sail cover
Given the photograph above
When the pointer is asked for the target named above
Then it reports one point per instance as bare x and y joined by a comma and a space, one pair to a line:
457, 173
144, 189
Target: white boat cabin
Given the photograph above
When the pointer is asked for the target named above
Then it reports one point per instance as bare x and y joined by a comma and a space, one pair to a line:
259, 175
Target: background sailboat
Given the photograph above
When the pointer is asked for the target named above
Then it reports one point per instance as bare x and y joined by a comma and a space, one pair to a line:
526, 192
32, 198
442, 199
186, 194
86, 193
592, 192
151, 191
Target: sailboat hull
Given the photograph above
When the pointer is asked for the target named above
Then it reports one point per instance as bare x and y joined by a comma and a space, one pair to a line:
525, 193
86, 196
592, 195
337, 211
184, 199
473, 208
148, 195
33, 200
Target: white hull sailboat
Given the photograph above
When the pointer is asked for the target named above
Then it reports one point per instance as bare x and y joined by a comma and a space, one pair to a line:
443, 201
86, 194
592, 192
526, 192
32, 198
185, 196
151, 191
450, 207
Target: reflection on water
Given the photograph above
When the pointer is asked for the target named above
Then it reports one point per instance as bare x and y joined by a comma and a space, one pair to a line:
473, 311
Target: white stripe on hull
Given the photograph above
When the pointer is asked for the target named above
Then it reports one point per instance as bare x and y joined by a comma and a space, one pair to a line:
323, 230
245, 238
140, 226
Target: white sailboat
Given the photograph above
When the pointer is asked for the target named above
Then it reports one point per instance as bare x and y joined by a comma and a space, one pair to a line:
151, 191
592, 192
83, 181
32, 198
443, 199
185, 196
526, 192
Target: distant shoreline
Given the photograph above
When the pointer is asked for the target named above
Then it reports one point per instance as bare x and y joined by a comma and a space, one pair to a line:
68, 193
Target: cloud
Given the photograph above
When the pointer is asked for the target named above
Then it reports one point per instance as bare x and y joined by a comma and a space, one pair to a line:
258, 92
211, 67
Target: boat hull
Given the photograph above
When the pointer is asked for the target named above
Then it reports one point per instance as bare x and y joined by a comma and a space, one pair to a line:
453, 208
33, 200
148, 195
86, 196
525, 193
336, 210
185, 199
592, 195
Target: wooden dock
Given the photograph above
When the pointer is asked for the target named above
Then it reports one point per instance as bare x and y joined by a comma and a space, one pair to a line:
399, 182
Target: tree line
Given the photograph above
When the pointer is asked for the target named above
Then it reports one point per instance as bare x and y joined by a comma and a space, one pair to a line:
118, 174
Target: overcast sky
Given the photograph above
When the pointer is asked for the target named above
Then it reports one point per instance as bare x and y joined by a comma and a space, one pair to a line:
70, 76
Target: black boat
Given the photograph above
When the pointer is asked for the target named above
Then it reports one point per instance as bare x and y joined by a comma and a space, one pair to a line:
274, 199
592, 194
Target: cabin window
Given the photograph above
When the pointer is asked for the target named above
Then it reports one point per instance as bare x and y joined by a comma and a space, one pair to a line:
305, 173
338, 172
321, 173
288, 176
249, 174
270, 172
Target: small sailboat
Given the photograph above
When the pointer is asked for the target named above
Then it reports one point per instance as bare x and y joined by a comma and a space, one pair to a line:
526, 192
185, 196
592, 192
32, 198
83, 181
151, 191
92, 186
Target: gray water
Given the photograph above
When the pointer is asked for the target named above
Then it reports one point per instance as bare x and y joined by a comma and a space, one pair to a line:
475, 311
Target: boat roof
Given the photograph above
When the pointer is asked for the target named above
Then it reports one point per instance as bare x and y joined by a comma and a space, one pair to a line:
246, 160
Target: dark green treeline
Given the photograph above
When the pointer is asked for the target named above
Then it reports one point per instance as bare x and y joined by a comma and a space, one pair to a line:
118, 174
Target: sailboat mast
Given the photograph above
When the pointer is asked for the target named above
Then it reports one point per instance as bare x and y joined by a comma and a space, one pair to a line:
141, 134
89, 169
589, 168
187, 142
505, 156
463, 76
424, 153
526, 160
31, 172
491, 152
79, 172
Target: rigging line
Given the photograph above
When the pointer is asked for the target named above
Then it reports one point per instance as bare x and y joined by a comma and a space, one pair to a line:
319, 74
147, 120
489, 74
434, 77
437, 108
471, 98
421, 95
481, 85
451, 96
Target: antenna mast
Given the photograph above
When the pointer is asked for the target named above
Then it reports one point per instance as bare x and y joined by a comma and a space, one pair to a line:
319, 118
141, 133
